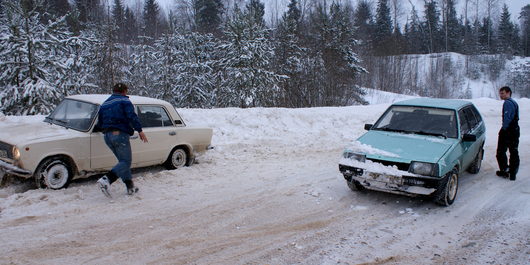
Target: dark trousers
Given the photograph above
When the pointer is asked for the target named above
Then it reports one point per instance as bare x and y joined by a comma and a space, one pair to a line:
119, 143
508, 141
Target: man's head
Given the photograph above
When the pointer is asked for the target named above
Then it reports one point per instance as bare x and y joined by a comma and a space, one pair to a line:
120, 88
505, 92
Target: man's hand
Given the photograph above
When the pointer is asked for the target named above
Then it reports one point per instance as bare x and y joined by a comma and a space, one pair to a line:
143, 137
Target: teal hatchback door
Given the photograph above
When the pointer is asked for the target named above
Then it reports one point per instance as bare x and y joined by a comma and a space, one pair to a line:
470, 123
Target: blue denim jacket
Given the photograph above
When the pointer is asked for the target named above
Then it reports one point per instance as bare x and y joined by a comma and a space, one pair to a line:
510, 114
117, 112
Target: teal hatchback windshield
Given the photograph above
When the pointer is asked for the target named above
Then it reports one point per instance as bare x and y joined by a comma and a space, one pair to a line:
419, 120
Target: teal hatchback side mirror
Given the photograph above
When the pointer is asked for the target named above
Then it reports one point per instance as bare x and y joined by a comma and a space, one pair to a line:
368, 126
469, 138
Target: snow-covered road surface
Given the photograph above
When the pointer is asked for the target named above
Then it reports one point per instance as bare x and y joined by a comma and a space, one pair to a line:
271, 193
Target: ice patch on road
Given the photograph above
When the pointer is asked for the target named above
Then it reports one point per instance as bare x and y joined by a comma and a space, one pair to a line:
358, 208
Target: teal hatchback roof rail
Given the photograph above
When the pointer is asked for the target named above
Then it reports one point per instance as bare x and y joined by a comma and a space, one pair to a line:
454, 104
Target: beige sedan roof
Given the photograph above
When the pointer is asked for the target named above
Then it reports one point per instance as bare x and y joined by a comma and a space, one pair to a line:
100, 98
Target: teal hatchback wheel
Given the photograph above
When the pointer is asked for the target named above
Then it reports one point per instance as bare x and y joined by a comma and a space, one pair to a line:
474, 168
445, 195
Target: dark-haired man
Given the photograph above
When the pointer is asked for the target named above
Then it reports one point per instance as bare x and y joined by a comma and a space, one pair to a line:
118, 122
508, 136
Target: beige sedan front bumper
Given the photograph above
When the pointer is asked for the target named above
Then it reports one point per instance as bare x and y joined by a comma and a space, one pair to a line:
7, 168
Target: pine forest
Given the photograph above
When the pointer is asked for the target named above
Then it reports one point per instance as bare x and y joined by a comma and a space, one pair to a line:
222, 53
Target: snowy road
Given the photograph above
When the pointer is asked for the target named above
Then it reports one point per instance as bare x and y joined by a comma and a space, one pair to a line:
271, 193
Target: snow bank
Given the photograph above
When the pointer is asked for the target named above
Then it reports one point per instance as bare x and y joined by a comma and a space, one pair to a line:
323, 127
374, 96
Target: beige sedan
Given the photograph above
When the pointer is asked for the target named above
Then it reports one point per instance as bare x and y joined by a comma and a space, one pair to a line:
66, 145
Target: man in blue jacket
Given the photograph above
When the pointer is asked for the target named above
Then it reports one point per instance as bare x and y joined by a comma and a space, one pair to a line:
508, 136
118, 121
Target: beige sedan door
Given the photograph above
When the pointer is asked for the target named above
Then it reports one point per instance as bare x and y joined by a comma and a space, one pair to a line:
161, 133
101, 158
159, 130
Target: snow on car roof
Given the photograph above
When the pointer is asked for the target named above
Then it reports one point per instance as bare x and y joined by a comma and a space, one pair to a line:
454, 104
100, 98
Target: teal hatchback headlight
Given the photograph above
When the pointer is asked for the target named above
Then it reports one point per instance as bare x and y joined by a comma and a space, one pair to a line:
423, 168
354, 156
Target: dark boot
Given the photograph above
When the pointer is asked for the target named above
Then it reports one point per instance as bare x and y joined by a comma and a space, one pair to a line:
131, 189
112, 176
502, 173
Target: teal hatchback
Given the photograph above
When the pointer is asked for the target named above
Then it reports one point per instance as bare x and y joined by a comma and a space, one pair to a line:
417, 147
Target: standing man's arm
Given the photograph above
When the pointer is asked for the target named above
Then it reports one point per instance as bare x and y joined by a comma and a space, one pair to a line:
135, 121
508, 114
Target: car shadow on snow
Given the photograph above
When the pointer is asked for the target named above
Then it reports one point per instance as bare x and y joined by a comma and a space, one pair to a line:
12, 185
136, 173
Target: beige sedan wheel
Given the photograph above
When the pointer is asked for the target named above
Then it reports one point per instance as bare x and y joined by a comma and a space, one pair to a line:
53, 173
177, 158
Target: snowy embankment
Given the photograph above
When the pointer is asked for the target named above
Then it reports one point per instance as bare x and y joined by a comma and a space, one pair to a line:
270, 193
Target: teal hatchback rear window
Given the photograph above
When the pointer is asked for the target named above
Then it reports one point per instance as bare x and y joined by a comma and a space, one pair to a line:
419, 120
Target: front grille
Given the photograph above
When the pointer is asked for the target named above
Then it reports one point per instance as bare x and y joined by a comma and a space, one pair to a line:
6, 150
400, 166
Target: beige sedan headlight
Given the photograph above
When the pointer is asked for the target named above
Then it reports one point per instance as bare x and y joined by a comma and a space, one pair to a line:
16, 153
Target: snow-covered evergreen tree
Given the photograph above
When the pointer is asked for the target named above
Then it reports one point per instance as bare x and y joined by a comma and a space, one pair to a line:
152, 23
507, 37
130, 30
118, 17
432, 27
470, 44
34, 58
525, 30
186, 63
109, 57
246, 79
141, 73
364, 25
452, 29
90, 11
485, 36
382, 28
414, 33
289, 55
208, 15
78, 76
333, 44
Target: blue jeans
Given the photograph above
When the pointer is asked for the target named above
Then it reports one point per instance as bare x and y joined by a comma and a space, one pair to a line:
121, 147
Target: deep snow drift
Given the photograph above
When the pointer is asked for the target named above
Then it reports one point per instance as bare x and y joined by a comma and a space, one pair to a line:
271, 193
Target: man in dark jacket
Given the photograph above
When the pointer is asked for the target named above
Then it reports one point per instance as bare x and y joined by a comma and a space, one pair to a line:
118, 121
508, 136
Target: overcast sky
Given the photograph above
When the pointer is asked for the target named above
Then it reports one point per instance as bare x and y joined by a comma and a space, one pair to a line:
270, 5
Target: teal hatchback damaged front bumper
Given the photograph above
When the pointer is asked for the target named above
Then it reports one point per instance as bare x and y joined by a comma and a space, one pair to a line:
393, 182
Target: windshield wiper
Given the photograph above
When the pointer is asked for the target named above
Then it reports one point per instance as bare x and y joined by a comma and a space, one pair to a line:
389, 129
61, 122
52, 120
432, 133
